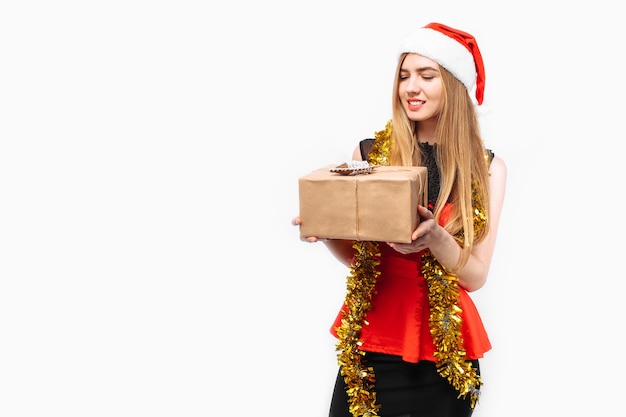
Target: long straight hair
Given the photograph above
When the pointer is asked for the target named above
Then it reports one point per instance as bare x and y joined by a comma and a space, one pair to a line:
461, 157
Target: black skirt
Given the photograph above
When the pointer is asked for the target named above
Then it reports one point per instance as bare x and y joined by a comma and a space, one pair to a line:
405, 389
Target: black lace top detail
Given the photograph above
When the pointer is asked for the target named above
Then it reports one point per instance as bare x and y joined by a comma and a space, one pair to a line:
429, 160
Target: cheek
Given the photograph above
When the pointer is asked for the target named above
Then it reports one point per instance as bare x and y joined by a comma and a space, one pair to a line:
401, 88
435, 91
436, 95
439, 104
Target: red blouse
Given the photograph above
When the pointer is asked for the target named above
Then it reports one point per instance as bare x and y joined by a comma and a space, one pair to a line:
398, 318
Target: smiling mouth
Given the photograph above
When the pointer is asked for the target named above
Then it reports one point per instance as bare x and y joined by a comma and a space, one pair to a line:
416, 102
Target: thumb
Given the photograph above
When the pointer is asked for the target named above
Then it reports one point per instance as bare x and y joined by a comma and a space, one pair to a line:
424, 213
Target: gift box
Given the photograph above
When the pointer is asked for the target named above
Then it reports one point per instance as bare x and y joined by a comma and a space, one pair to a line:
378, 206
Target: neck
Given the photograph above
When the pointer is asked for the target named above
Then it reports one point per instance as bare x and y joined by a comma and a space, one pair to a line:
426, 132
431, 139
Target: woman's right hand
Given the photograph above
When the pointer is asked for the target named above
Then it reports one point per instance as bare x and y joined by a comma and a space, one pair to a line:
341, 249
297, 221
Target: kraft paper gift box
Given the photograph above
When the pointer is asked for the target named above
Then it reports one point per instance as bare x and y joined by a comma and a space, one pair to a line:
379, 206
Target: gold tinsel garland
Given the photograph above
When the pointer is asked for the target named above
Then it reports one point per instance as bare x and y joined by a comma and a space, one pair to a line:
445, 317
445, 320
360, 289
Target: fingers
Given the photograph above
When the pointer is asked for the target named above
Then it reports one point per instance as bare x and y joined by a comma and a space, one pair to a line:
297, 221
425, 213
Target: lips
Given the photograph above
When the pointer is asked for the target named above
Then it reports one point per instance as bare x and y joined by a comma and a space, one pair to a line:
415, 104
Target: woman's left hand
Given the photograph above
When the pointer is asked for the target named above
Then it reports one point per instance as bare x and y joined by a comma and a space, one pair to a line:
424, 236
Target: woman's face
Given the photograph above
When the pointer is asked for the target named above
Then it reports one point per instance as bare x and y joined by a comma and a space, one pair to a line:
420, 88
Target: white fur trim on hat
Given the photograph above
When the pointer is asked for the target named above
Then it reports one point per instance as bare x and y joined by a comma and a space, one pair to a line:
445, 51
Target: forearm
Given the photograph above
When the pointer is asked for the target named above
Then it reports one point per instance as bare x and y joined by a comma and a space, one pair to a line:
445, 248
473, 275
341, 249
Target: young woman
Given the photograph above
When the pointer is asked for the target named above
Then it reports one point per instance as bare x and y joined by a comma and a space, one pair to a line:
409, 335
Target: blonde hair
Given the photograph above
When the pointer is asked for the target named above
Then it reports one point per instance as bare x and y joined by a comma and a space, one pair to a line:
461, 157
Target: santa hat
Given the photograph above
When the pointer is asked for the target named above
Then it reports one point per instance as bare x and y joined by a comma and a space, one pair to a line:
454, 50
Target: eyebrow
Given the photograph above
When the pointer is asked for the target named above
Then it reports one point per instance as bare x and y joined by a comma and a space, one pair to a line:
420, 69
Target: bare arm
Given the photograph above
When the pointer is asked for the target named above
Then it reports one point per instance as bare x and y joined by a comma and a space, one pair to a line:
444, 247
341, 249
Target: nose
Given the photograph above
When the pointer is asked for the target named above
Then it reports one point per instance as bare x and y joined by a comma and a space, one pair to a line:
412, 85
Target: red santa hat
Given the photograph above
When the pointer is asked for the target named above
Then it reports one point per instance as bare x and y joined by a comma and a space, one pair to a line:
454, 50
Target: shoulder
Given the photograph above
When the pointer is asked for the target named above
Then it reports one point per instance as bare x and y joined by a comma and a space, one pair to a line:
497, 180
365, 146
363, 149
497, 166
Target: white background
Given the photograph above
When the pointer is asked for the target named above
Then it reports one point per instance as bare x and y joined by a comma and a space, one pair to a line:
149, 157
